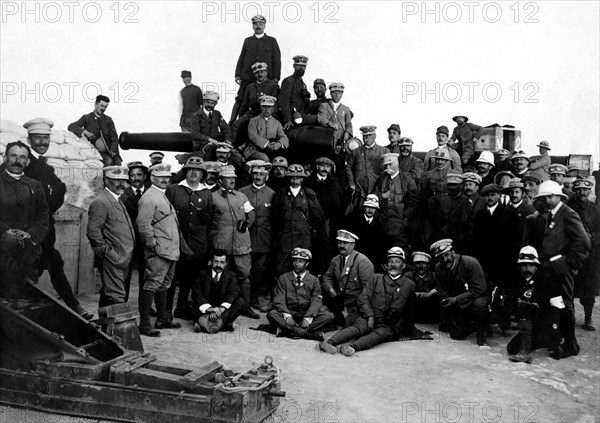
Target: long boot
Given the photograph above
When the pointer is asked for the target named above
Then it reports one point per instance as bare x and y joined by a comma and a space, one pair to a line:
163, 322
524, 354
481, 326
588, 308
145, 304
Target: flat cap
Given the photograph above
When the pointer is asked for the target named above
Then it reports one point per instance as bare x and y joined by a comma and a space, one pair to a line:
533, 176
490, 188
39, 126
441, 246
395, 127
116, 172
301, 253
471, 177
325, 161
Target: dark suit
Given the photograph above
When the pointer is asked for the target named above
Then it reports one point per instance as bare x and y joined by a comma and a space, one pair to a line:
204, 128
369, 236
191, 98
293, 95
130, 201
224, 293
96, 125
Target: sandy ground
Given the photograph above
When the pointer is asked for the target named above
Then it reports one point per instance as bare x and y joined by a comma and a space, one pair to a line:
441, 380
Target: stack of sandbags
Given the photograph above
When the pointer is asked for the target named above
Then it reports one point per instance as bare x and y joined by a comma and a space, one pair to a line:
76, 162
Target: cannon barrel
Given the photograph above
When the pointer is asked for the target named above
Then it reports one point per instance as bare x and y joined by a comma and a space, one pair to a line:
159, 141
308, 143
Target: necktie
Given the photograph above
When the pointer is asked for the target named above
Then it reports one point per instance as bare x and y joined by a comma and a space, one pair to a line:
215, 280
138, 193
342, 264
298, 280
549, 219
209, 115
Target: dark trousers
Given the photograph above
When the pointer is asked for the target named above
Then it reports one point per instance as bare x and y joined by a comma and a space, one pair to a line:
228, 315
261, 279
186, 272
359, 337
460, 319
428, 310
54, 263
322, 319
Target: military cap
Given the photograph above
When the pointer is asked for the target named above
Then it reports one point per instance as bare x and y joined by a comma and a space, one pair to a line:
211, 95
301, 253
490, 188
471, 177
346, 236
280, 161
583, 183
501, 174
300, 60
156, 154
441, 153
514, 183
259, 18
454, 178
368, 129
520, 154
550, 188
319, 81
336, 86
558, 168
296, 170
406, 141
223, 147
388, 158
259, 66
117, 172
486, 157
325, 161
544, 144
533, 176
134, 165
420, 256
160, 170
442, 130
194, 163
395, 127
441, 246
213, 167
396, 252
455, 118
39, 126
267, 100
186, 74
227, 172
371, 201
259, 166
528, 254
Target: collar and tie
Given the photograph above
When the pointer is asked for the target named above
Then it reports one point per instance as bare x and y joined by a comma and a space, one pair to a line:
138, 193
550, 219
298, 281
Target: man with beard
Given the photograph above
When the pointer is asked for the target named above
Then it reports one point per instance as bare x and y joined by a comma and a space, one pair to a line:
521, 163
277, 179
587, 281
231, 217
212, 175
294, 98
441, 137
364, 165
266, 138
216, 296
557, 174
465, 244
111, 235
485, 164
156, 157
408, 162
345, 278
261, 233
191, 100
320, 90
466, 136
298, 305
565, 245
386, 307
398, 199
23, 218
193, 204
208, 125
251, 105
99, 129
159, 232
463, 289
427, 305
257, 48
334, 114
39, 130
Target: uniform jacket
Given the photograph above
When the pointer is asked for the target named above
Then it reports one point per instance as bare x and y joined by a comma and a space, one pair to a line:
293, 96
433, 182
261, 131
264, 49
110, 230
413, 166
422, 284
261, 231
470, 208
365, 167
204, 128
313, 106
96, 124
253, 93
23, 206
452, 221
204, 291
587, 283
157, 225
540, 163
390, 302
429, 161
401, 204
191, 99
465, 282
294, 299
350, 279
464, 134
194, 212
343, 117
228, 209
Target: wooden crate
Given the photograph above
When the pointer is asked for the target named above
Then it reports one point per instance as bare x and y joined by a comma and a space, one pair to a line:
497, 137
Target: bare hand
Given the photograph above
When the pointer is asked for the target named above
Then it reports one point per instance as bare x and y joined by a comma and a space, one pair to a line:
289, 321
238, 80
371, 323
448, 302
332, 292
335, 126
89, 135
212, 141
287, 125
304, 324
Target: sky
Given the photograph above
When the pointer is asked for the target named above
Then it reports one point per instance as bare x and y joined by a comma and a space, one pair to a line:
533, 65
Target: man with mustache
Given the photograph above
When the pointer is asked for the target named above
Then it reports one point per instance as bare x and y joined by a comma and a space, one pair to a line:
463, 290
407, 161
23, 218
465, 243
191, 100
294, 98
386, 307
265, 133
112, 236
441, 137
208, 126
39, 130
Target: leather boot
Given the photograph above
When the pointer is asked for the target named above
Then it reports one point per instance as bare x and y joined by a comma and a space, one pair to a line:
163, 322
524, 354
588, 318
145, 304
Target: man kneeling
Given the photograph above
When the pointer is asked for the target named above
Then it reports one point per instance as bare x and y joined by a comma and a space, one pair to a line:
216, 296
386, 307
